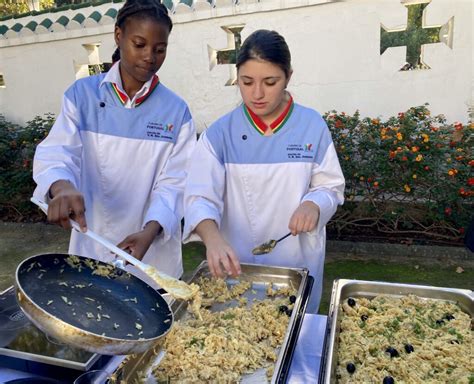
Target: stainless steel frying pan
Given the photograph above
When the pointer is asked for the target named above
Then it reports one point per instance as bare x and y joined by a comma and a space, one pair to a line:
91, 305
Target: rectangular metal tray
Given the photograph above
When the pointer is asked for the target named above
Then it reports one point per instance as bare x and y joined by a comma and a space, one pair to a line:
84, 363
135, 367
343, 289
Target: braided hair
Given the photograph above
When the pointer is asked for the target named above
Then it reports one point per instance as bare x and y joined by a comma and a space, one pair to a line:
151, 9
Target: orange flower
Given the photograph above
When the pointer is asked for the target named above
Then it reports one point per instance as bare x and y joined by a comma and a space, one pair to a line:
376, 183
419, 158
392, 155
407, 188
375, 121
434, 129
426, 138
471, 163
415, 149
399, 136
452, 172
339, 124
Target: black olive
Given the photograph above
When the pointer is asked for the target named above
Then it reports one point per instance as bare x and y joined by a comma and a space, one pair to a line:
440, 322
388, 380
392, 352
283, 308
454, 341
288, 312
351, 302
449, 317
364, 317
409, 348
292, 299
351, 368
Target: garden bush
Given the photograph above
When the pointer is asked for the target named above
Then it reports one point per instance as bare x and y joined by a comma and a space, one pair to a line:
407, 177
17, 147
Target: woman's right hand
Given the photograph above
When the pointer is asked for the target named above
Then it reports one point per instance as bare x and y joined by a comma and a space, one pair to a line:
221, 258
66, 203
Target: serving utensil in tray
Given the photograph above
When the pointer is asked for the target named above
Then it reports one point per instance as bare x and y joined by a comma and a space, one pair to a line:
138, 367
268, 246
343, 289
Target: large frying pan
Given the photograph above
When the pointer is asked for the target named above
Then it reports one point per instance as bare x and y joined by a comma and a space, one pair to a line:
69, 299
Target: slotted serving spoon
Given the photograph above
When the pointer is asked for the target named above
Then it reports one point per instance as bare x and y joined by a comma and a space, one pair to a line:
268, 246
176, 288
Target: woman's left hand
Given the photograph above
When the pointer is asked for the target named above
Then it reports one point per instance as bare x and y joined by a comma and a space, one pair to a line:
138, 243
304, 219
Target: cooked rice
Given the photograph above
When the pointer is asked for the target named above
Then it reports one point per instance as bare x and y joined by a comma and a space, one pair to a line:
224, 345
443, 346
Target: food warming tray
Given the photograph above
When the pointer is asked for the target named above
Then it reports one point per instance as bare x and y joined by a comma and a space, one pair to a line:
343, 289
134, 368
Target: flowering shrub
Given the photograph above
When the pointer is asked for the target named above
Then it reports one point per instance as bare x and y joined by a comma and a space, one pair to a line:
17, 147
410, 175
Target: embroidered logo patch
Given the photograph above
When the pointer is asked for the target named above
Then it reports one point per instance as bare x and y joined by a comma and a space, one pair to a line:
160, 131
299, 151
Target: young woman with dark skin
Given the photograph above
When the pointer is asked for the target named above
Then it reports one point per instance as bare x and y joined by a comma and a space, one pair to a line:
115, 160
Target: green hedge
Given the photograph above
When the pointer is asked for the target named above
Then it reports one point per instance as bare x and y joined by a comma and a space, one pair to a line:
17, 147
409, 176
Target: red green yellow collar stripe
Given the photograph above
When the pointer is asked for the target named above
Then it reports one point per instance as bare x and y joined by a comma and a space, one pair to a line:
123, 97
276, 125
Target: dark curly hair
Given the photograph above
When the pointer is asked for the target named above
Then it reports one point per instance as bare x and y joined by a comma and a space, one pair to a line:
151, 9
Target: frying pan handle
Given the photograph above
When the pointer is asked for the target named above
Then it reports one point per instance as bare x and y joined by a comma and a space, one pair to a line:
106, 243
44, 207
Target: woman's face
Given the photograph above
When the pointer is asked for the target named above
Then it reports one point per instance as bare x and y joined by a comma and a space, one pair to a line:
142, 43
262, 86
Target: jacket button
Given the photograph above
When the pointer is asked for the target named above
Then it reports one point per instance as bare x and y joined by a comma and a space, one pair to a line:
102, 104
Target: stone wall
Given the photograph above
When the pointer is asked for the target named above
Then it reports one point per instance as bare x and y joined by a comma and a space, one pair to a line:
335, 45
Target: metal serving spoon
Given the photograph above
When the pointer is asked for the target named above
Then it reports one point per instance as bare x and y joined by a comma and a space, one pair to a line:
268, 246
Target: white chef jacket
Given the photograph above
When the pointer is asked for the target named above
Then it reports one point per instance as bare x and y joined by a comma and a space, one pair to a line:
129, 163
251, 184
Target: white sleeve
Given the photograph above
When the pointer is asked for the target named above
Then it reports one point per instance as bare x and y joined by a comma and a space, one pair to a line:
58, 157
327, 186
166, 199
204, 192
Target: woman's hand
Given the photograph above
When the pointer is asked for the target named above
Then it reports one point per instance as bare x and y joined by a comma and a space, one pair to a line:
66, 203
137, 244
220, 255
304, 219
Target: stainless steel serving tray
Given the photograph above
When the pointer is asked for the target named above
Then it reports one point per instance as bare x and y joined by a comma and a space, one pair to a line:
52, 353
136, 368
343, 289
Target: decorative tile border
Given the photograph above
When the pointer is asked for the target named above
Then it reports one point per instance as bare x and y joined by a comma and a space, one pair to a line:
66, 22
